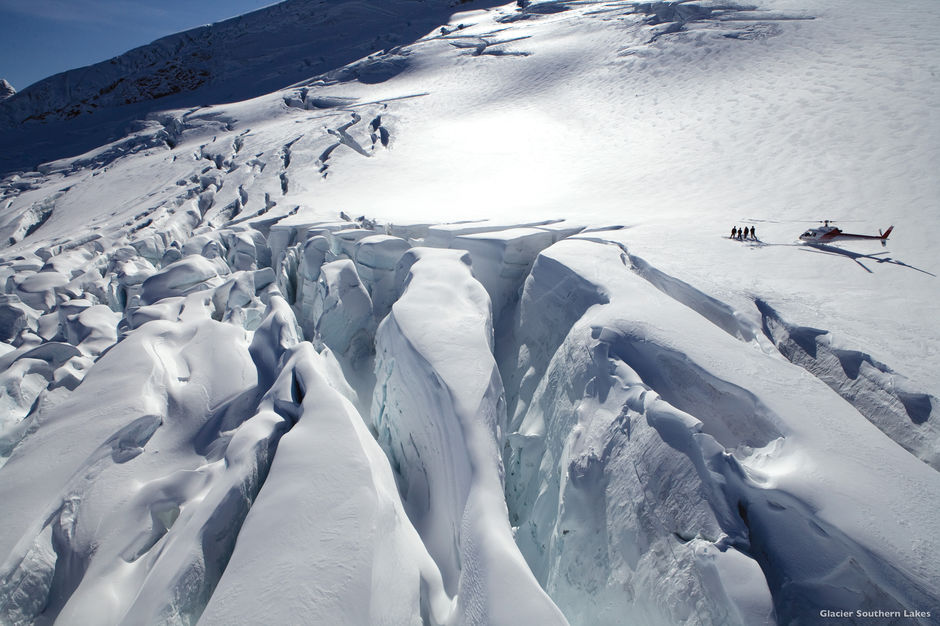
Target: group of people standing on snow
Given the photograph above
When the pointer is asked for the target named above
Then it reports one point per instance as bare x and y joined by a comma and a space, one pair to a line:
742, 233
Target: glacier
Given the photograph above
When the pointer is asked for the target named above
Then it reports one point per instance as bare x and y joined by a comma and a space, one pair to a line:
426, 312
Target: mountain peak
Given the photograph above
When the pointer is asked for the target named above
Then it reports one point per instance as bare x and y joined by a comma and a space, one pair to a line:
6, 89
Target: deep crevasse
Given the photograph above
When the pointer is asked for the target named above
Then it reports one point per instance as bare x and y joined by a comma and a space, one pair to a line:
672, 451
650, 470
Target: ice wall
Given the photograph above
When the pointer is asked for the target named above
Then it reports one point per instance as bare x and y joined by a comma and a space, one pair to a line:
439, 412
327, 422
654, 440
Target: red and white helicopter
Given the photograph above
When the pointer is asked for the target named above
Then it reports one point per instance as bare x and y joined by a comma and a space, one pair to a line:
828, 233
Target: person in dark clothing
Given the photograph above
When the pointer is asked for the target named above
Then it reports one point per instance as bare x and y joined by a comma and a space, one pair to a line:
753, 235
734, 231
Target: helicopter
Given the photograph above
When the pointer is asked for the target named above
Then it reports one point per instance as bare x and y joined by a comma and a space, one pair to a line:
828, 233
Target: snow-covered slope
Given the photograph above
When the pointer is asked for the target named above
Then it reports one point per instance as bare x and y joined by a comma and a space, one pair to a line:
238, 58
444, 325
6, 89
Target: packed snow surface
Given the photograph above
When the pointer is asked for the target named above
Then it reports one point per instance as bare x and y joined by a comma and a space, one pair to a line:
419, 312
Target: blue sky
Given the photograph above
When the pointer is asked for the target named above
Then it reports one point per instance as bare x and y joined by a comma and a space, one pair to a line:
39, 38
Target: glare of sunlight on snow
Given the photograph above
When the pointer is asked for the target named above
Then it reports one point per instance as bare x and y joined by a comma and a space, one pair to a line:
496, 161
322, 352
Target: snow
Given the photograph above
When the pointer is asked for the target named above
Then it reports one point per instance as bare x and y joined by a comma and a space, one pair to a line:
347, 506
702, 399
439, 412
438, 321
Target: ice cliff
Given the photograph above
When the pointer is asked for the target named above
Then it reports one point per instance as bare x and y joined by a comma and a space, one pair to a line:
438, 322
604, 452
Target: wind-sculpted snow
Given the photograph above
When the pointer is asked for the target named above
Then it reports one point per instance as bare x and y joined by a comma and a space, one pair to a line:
100, 503
440, 413
583, 464
651, 459
881, 395
596, 453
445, 333
341, 532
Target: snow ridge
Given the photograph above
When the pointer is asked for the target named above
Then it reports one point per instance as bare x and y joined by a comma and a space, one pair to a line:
223, 398
607, 430
883, 396
6, 89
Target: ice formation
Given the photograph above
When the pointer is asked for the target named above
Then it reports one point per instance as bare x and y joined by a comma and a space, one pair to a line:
451, 331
